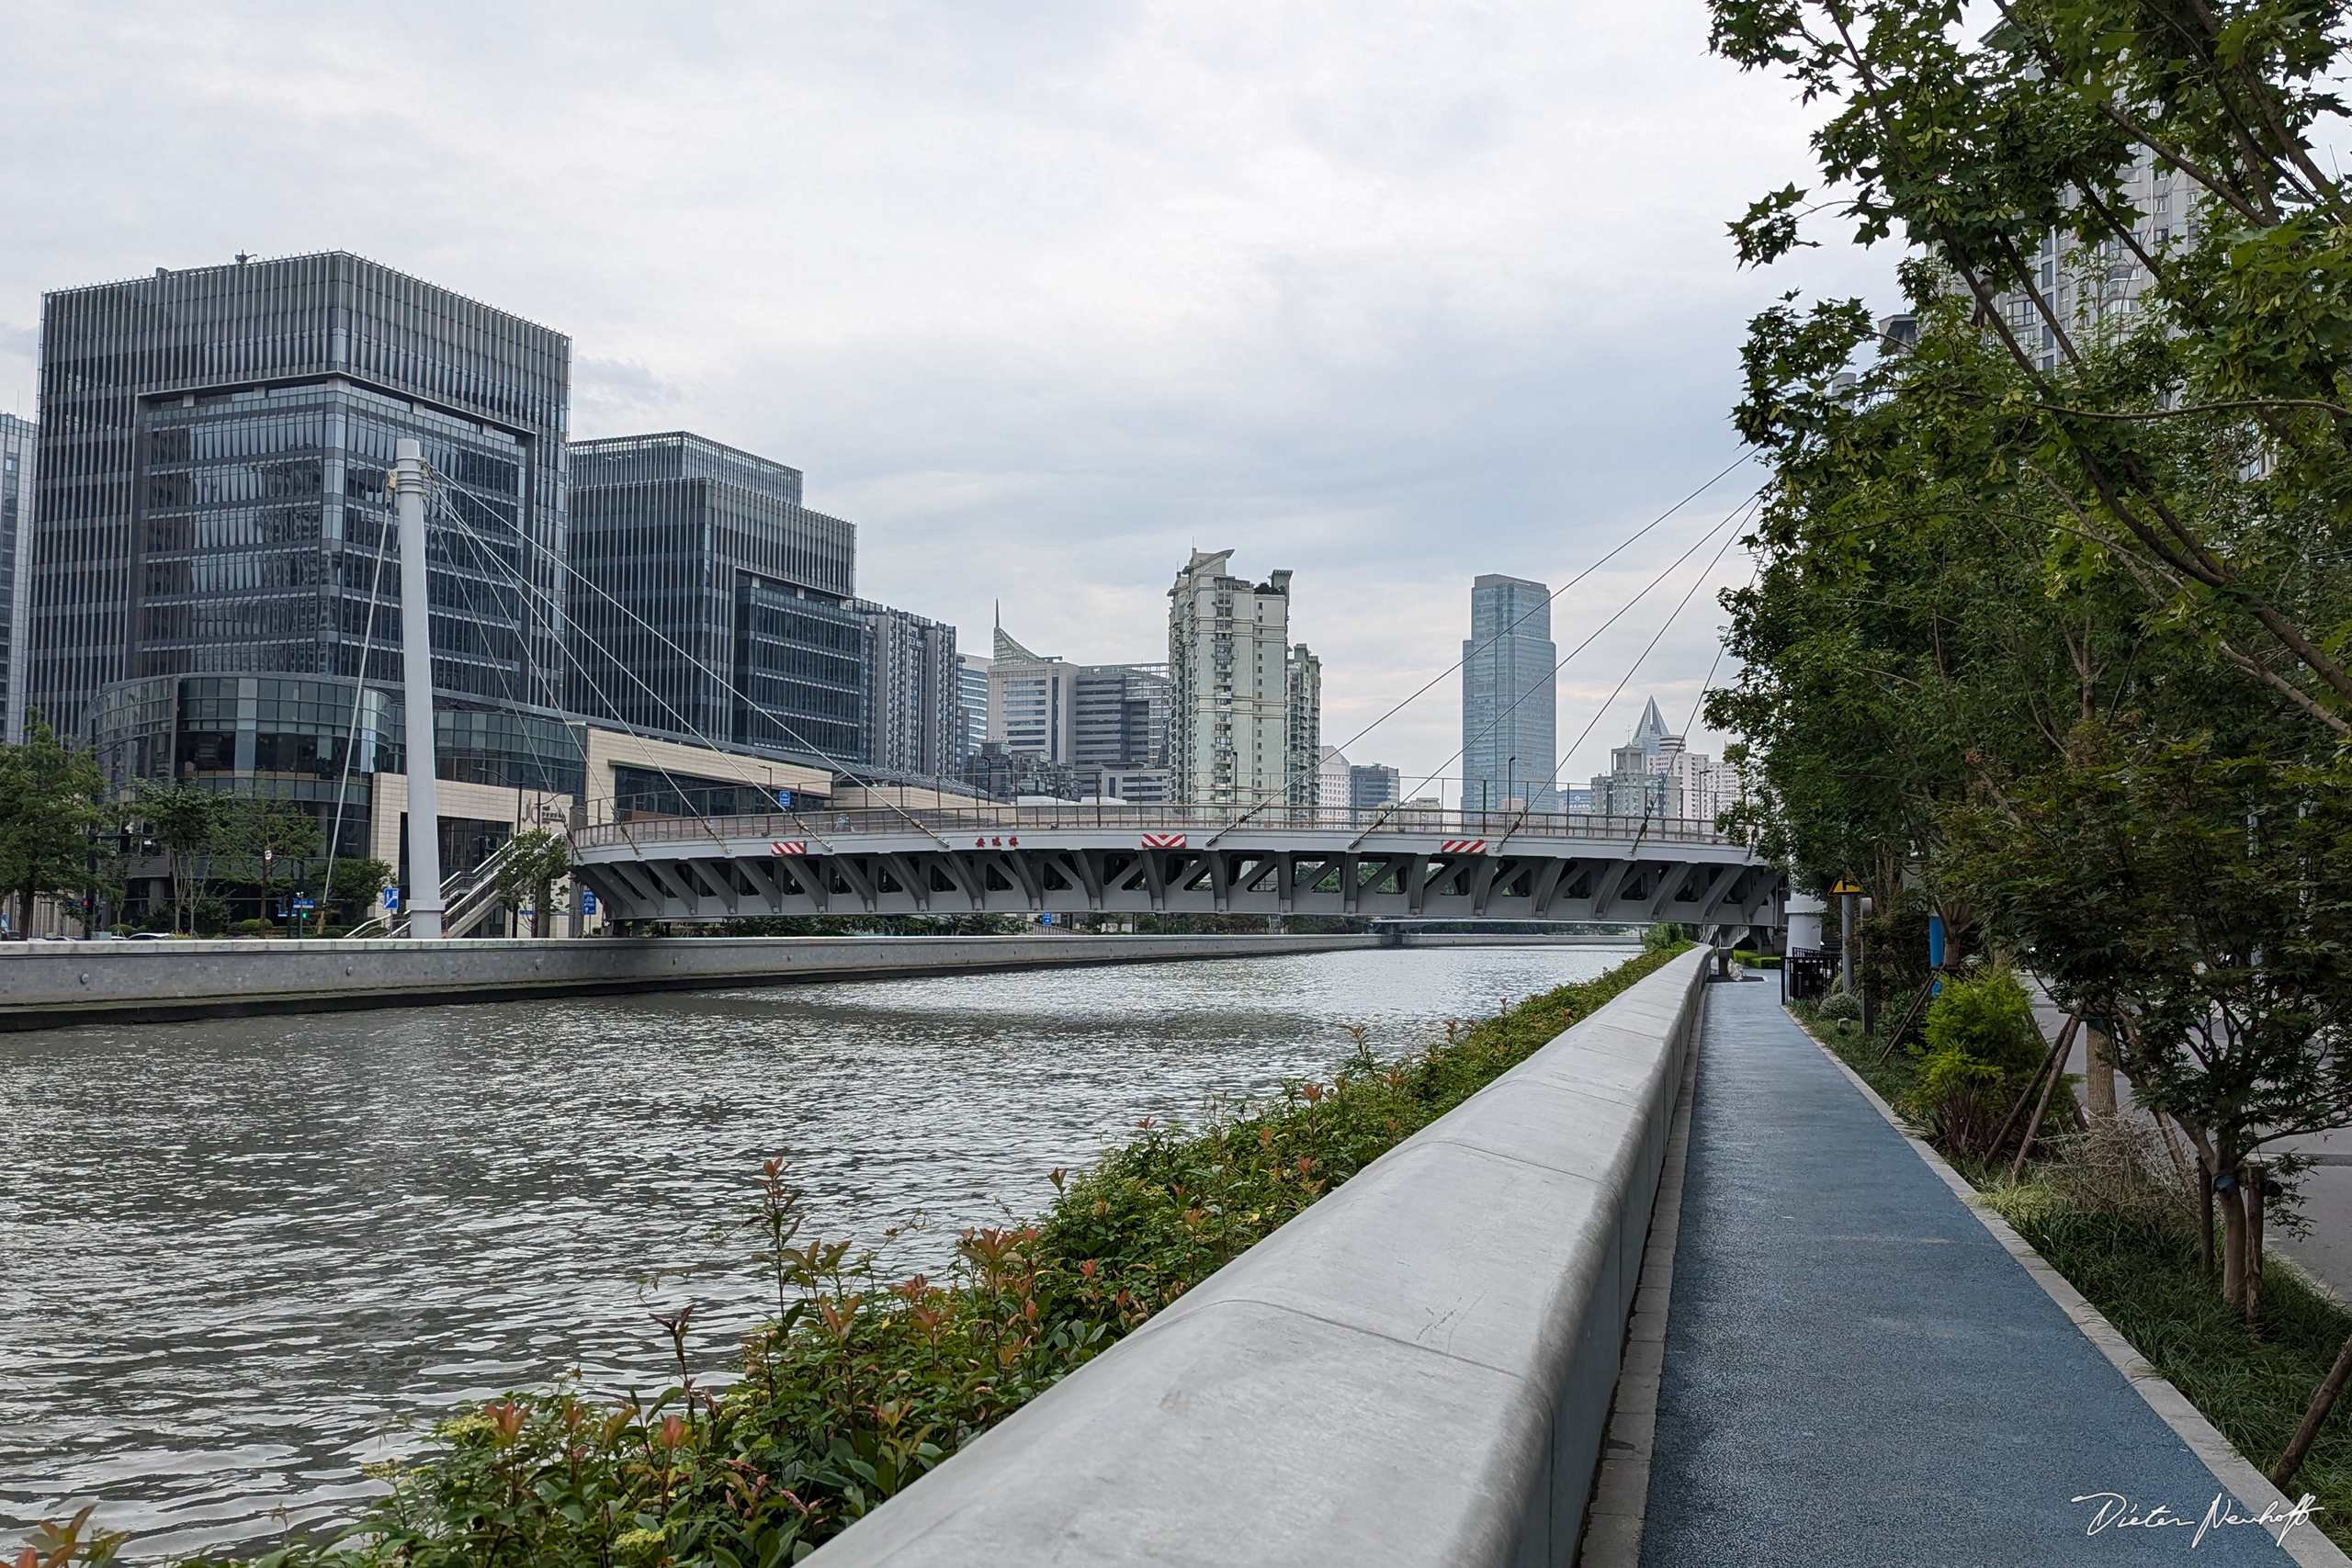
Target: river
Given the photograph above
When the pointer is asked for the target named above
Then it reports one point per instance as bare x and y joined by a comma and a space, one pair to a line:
241, 1258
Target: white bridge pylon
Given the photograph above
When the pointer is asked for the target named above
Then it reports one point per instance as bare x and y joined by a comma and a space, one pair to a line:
1163, 860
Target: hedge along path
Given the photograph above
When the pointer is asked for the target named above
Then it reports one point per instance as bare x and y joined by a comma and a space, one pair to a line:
861, 1384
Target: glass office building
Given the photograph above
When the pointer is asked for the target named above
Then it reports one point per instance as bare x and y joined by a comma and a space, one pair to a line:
299, 740
19, 449
1509, 698
709, 604
212, 497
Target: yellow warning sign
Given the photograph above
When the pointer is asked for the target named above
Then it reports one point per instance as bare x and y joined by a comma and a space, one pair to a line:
1844, 886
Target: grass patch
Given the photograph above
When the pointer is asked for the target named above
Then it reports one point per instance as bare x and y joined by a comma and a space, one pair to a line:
861, 1384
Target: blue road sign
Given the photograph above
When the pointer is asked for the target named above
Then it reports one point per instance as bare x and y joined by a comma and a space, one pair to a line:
587, 901
392, 899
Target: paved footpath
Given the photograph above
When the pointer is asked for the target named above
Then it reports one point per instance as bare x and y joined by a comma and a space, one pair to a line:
1856, 1372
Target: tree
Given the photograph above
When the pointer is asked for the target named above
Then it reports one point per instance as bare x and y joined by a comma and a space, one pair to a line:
274, 837
51, 799
535, 863
187, 823
2061, 643
354, 884
2205, 431
2202, 897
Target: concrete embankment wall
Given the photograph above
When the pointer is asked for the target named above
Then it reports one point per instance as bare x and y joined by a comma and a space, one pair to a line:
1415, 1372
1520, 939
45, 985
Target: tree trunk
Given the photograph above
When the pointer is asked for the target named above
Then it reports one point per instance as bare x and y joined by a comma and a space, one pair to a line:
2099, 1071
2321, 1403
2233, 1206
2251, 1192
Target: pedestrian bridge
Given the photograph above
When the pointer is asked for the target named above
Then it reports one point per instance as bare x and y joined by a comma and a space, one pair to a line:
1176, 860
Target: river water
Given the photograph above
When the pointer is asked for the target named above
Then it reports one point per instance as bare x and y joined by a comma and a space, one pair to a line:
238, 1260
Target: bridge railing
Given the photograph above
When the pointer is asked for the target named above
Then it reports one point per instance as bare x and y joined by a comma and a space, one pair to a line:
1197, 823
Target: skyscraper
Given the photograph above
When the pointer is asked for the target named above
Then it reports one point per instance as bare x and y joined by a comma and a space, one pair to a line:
913, 693
709, 604
1303, 736
20, 446
972, 690
1234, 680
212, 481
1509, 704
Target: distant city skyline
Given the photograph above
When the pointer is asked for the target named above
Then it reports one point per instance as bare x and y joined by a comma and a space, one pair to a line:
1349, 289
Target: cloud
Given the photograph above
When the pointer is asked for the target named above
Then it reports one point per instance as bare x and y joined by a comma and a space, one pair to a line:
1038, 296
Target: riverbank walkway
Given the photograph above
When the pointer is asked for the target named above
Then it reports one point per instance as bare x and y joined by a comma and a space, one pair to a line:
1857, 1371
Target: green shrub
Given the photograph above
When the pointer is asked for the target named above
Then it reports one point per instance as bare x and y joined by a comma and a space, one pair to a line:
1987, 1018
1841, 1006
1981, 1048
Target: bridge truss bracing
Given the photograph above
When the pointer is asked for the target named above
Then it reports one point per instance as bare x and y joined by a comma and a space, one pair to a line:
1124, 860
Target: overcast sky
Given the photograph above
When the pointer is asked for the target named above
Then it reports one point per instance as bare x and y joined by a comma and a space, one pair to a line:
1039, 296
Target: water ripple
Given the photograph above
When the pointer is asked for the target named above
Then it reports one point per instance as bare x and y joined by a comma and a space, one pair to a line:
244, 1257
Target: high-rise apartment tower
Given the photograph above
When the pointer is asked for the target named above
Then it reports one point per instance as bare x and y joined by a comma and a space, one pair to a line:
914, 703
1235, 683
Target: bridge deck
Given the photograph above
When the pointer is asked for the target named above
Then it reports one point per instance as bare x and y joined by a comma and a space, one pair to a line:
1178, 861
1856, 1372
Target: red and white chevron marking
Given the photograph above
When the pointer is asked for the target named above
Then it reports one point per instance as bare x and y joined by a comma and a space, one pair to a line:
1462, 847
789, 847
1163, 841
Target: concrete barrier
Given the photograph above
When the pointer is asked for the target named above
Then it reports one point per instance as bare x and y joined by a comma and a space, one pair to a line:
44, 985
1519, 939
1414, 1373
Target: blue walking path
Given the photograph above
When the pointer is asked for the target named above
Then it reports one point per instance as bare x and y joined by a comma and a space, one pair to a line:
1856, 1371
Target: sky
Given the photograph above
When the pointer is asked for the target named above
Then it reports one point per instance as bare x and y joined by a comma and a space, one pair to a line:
1039, 296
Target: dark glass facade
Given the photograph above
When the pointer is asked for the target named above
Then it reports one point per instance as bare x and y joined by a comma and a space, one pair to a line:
212, 467
709, 604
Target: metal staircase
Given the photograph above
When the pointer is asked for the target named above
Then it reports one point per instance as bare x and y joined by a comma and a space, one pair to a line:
467, 900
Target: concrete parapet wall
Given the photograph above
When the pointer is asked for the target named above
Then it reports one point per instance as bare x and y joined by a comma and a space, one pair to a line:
1415, 1372
1519, 939
44, 985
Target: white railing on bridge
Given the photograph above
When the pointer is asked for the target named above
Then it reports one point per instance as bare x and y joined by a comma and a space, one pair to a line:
1489, 826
